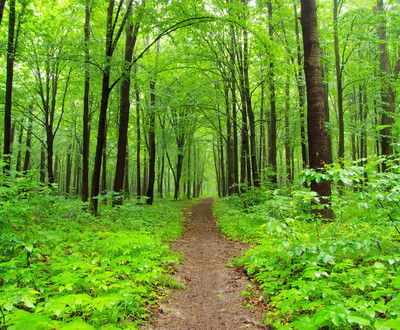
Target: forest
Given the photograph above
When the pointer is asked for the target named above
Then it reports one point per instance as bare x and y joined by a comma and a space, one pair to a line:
119, 115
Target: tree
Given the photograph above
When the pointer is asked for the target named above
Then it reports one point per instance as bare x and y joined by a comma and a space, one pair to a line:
111, 44
86, 116
131, 36
317, 137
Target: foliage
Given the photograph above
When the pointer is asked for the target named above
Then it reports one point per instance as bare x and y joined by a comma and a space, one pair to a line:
315, 274
63, 268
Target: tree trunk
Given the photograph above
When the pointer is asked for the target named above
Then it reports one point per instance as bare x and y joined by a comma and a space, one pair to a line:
9, 87
2, 3
131, 36
152, 144
43, 165
86, 118
317, 138
338, 82
103, 190
387, 94
111, 44
252, 125
272, 117
123, 119
28, 146
302, 92
287, 131
138, 140
19, 155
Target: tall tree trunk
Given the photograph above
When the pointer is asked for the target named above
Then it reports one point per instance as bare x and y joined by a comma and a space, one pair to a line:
387, 94
272, 117
103, 190
234, 111
287, 131
124, 118
189, 172
302, 93
43, 165
317, 138
126, 177
131, 36
28, 146
229, 145
152, 143
138, 140
338, 82
250, 113
9, 87
19, 155
2, 3
86, 118
68, 169
111, 44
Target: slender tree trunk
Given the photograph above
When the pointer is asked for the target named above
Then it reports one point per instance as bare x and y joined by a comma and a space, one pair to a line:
2, 3
138, 140
104, 167
229, 145
189, 172
152, 144
19, 155
338, 82
272, 151
126, 177
43, 165
124, 118
9, 87
131, 36
68, 169
252, 125
387, 94
111, 44
105, 94
287, 131
234, 112
86, 118
302, 93
28, 146
317, 138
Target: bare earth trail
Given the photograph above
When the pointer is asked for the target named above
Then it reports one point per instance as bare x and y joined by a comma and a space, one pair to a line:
213, 297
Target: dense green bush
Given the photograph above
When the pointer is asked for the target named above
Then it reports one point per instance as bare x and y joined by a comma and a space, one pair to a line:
60, 267
317, 274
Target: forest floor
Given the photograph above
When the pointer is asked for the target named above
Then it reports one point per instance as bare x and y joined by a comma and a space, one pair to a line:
212, 297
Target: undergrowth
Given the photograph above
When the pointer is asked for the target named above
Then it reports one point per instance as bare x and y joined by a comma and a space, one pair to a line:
62, 268
341, 274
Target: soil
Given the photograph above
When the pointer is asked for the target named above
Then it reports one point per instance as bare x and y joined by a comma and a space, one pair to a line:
212, 297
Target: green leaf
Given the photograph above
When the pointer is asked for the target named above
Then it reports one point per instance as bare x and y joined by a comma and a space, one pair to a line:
358, 320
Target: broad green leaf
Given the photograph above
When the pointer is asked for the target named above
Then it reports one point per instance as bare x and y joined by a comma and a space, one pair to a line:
358, 320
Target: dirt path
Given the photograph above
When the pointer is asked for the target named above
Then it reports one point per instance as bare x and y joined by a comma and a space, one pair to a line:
213, 297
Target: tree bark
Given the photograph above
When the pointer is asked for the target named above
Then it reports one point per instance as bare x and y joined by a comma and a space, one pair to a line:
9, 88
317, 138
131, 36
152, 144
387, 94
250, 113
272, 117
302, 93
28, 146
339, 87
86, 117
111, 44
2, 4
